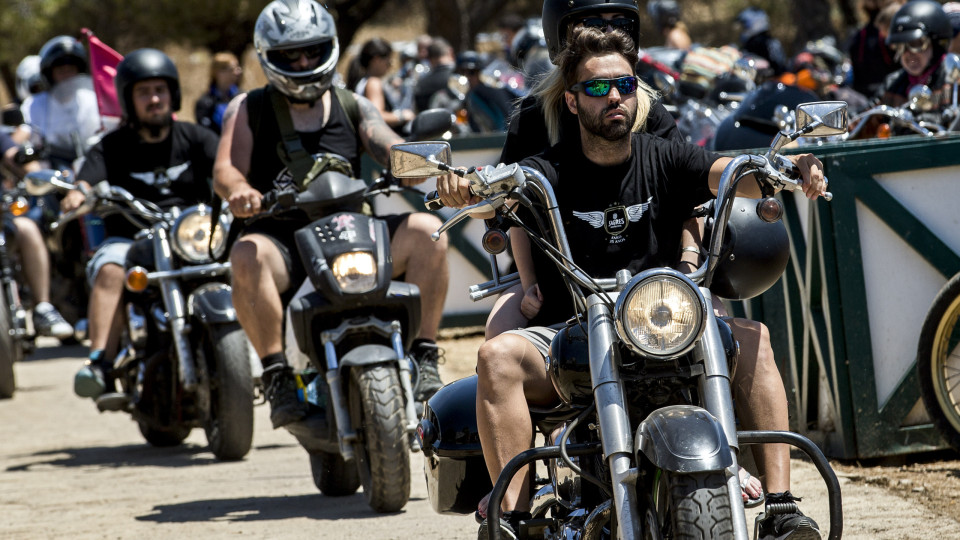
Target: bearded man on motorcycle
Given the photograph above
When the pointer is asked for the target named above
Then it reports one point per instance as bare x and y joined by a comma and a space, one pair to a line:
643, 171
155, 158
542, 121
299, 59
919, 33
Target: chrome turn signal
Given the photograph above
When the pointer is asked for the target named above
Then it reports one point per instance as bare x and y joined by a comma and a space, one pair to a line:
137, 279
769, 209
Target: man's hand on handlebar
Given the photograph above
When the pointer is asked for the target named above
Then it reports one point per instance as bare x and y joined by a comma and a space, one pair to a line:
811, 170
244, 201
454, 191
74, 198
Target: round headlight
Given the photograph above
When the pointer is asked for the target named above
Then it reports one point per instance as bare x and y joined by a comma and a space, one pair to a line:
190, 236
356, 271
660, 313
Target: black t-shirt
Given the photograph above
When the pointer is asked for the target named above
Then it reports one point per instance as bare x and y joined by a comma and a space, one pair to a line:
624, 216
267, 170
527, 132
173, 172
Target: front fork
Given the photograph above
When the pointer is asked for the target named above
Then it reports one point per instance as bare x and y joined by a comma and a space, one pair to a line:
615, 433
345, 432
18, 315
176, 309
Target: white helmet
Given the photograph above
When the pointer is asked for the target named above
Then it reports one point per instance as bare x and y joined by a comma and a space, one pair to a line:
303, 26
29, 79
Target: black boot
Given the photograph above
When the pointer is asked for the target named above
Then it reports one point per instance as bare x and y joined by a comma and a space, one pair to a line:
782, 519
281, 389
426, 354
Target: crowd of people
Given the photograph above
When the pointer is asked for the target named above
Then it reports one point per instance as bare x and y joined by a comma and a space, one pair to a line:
562, 87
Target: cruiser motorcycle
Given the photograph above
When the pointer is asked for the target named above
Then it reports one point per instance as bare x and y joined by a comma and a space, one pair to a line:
644, 442
184, 361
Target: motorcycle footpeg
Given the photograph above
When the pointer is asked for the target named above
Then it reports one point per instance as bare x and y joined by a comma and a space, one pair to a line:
113, 401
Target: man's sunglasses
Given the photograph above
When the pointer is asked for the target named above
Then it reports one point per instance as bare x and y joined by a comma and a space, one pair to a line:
312, 52
600, 87
916, 46
624, 24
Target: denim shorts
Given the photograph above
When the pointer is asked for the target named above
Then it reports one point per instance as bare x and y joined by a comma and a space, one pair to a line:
112, 251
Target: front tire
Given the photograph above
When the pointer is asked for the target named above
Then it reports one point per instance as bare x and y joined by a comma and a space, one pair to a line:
698, 506
938, 362
10, 351
163, 437
229, 422
377, 414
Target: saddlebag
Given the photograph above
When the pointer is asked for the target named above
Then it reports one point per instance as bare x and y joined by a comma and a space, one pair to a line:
453, 462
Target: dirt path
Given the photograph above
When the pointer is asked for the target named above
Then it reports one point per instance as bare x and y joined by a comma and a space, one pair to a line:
68, 471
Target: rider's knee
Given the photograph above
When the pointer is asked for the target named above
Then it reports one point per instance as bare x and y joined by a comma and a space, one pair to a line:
420, 226
245, 258
498, 359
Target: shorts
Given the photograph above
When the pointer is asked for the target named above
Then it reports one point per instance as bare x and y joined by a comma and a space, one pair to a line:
281, 233
538, 336
112, 251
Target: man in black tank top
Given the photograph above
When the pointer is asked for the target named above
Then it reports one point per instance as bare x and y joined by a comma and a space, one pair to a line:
299, 59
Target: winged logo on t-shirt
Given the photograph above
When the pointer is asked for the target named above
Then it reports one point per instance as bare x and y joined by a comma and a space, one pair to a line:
161, 178
616, 218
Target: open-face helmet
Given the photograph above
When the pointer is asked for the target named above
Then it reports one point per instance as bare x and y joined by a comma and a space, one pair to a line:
29, 79
559, 14
140, 65
284, 31
919, 19
59, 51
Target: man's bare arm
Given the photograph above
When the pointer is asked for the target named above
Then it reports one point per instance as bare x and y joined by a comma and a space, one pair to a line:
233, 161
375, 134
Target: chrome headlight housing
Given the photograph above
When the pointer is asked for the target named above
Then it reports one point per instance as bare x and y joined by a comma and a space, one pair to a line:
356, 271
660, 313
190, 235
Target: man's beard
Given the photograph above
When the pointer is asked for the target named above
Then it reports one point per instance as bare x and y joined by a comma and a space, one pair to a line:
610, 131
156, 126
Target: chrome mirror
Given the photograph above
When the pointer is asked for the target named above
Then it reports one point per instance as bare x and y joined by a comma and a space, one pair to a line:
822, 118
920, 98
417, 160
665, 83
951, 68
46, 180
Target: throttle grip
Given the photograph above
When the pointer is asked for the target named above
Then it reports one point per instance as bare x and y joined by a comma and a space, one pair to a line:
432, 201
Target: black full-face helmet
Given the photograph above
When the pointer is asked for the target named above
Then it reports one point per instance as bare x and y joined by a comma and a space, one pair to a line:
59, 51
918, 19
140, 65
558, 14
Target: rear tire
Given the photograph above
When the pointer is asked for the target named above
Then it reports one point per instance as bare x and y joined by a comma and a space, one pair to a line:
10, 351
377, 414
698, 506
229, 422
333, 476
938, 362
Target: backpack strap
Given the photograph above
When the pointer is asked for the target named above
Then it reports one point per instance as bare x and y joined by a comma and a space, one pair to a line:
348, 100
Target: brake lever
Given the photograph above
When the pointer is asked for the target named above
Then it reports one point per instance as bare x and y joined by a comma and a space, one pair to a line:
481, 207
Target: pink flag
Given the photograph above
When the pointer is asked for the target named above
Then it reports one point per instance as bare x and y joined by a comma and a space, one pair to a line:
103, 69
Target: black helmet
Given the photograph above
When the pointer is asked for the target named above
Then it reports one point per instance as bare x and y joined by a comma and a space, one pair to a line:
530, 36
469, 61
754, 254
62, 50
917, 19
665, 13
140, 65
557, 15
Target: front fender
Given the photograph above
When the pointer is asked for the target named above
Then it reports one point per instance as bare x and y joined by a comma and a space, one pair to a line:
366, 355
211, 303
683, 439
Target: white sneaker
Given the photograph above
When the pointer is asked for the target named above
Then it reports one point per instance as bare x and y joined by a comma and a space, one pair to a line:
47, 321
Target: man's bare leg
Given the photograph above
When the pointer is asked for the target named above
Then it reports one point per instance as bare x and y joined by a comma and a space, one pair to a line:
511, 373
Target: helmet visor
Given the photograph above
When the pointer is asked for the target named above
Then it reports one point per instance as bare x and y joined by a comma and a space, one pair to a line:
305, 58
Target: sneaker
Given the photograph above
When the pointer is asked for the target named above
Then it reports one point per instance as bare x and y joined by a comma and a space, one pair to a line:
281, 390
47, 321
783, 519
90, 381
427, 356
